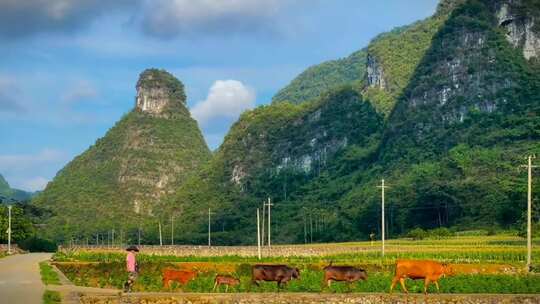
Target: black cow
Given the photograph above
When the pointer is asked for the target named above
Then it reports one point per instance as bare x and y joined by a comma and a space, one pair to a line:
274, 273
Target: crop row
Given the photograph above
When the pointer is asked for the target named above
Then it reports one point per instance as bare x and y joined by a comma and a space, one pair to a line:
453, 256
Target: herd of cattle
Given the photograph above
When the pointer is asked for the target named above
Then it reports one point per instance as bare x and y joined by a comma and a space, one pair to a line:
429, 271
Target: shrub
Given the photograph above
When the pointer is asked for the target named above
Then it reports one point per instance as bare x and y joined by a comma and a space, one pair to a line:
440, 233
35, 244
535, 228
417, 234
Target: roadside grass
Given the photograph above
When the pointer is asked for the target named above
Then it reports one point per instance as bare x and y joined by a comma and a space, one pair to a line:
48, 275
51, 297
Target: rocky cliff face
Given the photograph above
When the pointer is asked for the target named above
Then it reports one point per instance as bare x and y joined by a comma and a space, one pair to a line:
152, 100
392, 59
521, 26
146, 156
469, 72
306, 142
159, 94
374, 73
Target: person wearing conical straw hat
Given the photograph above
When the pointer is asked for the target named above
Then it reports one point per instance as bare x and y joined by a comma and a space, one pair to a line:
131, 267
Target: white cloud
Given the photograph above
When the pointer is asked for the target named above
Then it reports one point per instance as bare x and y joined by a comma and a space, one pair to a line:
82, 90
173, 17
16, 162
226, 99
34, 183
30, 172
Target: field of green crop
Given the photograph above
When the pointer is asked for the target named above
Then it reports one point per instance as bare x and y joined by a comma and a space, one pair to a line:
485, 265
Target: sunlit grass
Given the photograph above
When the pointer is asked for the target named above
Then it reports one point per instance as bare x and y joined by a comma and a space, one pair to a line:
48, 275
51, 297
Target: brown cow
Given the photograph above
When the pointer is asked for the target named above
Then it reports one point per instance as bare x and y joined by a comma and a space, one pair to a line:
225, 280
343, 273
180, 276
275, 273
429, 271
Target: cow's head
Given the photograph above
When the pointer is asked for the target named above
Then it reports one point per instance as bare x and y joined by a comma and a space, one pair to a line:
448, 270
363, 275
296, 273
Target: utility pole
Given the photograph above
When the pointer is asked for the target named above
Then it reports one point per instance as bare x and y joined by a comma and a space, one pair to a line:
305, 228
529, 210
258, 235
139, 236
9, 229
269, 204
160, 236
310, 227
172, 230
209, 228
382, 186
263, 221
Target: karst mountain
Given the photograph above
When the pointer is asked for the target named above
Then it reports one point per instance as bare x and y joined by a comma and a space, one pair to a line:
445, 110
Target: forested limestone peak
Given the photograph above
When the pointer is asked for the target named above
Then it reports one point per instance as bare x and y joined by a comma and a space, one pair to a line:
7, 193
447, 6
159, 92
3, 182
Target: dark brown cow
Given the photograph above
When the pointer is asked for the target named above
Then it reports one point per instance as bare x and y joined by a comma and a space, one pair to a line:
343, 274
180, 276
274, 273
225, 280
429, 271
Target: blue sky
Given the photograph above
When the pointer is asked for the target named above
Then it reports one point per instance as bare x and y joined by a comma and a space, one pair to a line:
68, 67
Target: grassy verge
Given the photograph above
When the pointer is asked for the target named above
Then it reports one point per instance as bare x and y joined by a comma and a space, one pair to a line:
48, 275
51, 297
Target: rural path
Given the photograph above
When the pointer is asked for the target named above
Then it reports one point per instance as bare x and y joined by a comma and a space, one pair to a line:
20, 281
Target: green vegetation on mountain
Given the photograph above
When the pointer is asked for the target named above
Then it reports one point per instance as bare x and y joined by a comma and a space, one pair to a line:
445, 110
462, 107
398, 53
121, 180
322, 77
8, 194
274, 151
